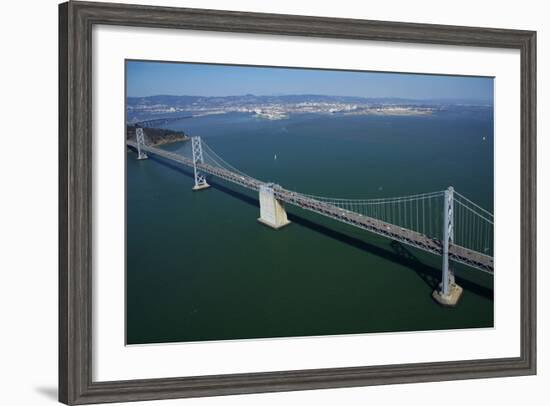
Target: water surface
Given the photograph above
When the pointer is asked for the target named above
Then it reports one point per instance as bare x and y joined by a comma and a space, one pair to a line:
200, 266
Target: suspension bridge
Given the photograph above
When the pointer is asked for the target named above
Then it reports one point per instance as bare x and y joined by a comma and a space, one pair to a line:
443, 223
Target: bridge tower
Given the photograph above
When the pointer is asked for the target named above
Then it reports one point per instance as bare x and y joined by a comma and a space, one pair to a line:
449, 291
196, 147
140, 138
272, 210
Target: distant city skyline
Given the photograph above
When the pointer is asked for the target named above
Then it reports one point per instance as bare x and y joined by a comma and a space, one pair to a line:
144, 78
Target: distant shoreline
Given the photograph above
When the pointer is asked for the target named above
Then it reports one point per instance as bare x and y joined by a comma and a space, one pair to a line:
282, 107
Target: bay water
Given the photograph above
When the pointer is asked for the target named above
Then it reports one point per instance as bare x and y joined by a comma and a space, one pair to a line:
200, 267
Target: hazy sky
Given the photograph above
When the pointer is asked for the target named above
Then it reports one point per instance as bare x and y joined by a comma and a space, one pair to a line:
155, 78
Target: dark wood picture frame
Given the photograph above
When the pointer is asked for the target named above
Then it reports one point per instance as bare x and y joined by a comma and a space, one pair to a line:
76, 20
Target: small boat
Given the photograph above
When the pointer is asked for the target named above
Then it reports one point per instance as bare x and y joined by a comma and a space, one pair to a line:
275, 157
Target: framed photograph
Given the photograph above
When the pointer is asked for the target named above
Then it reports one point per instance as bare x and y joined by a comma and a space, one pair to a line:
258, 202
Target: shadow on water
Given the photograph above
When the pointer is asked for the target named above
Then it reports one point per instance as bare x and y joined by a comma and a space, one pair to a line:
432, 276
399, 254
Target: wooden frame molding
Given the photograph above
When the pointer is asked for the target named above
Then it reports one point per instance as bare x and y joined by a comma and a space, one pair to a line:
76, 20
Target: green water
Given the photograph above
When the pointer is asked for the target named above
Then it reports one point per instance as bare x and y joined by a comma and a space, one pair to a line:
200, 266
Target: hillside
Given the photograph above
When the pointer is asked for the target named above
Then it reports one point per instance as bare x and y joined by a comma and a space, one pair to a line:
157, 136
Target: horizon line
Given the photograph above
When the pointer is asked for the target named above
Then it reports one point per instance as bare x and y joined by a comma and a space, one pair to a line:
312, 94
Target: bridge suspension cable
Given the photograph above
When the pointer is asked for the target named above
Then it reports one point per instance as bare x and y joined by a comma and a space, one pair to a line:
212, 158
473, 225
413, 212
220, 161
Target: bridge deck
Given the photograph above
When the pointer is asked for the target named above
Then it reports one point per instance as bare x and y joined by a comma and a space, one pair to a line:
457, 253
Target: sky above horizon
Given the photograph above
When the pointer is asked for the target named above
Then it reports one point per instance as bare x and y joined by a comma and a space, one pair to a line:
166, 78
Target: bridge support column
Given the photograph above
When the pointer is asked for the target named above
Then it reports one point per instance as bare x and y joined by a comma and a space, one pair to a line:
272, 211
200, 181
140, 138
449, 292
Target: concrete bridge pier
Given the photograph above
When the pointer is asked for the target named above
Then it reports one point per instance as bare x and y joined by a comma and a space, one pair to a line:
449, 295
272, 211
